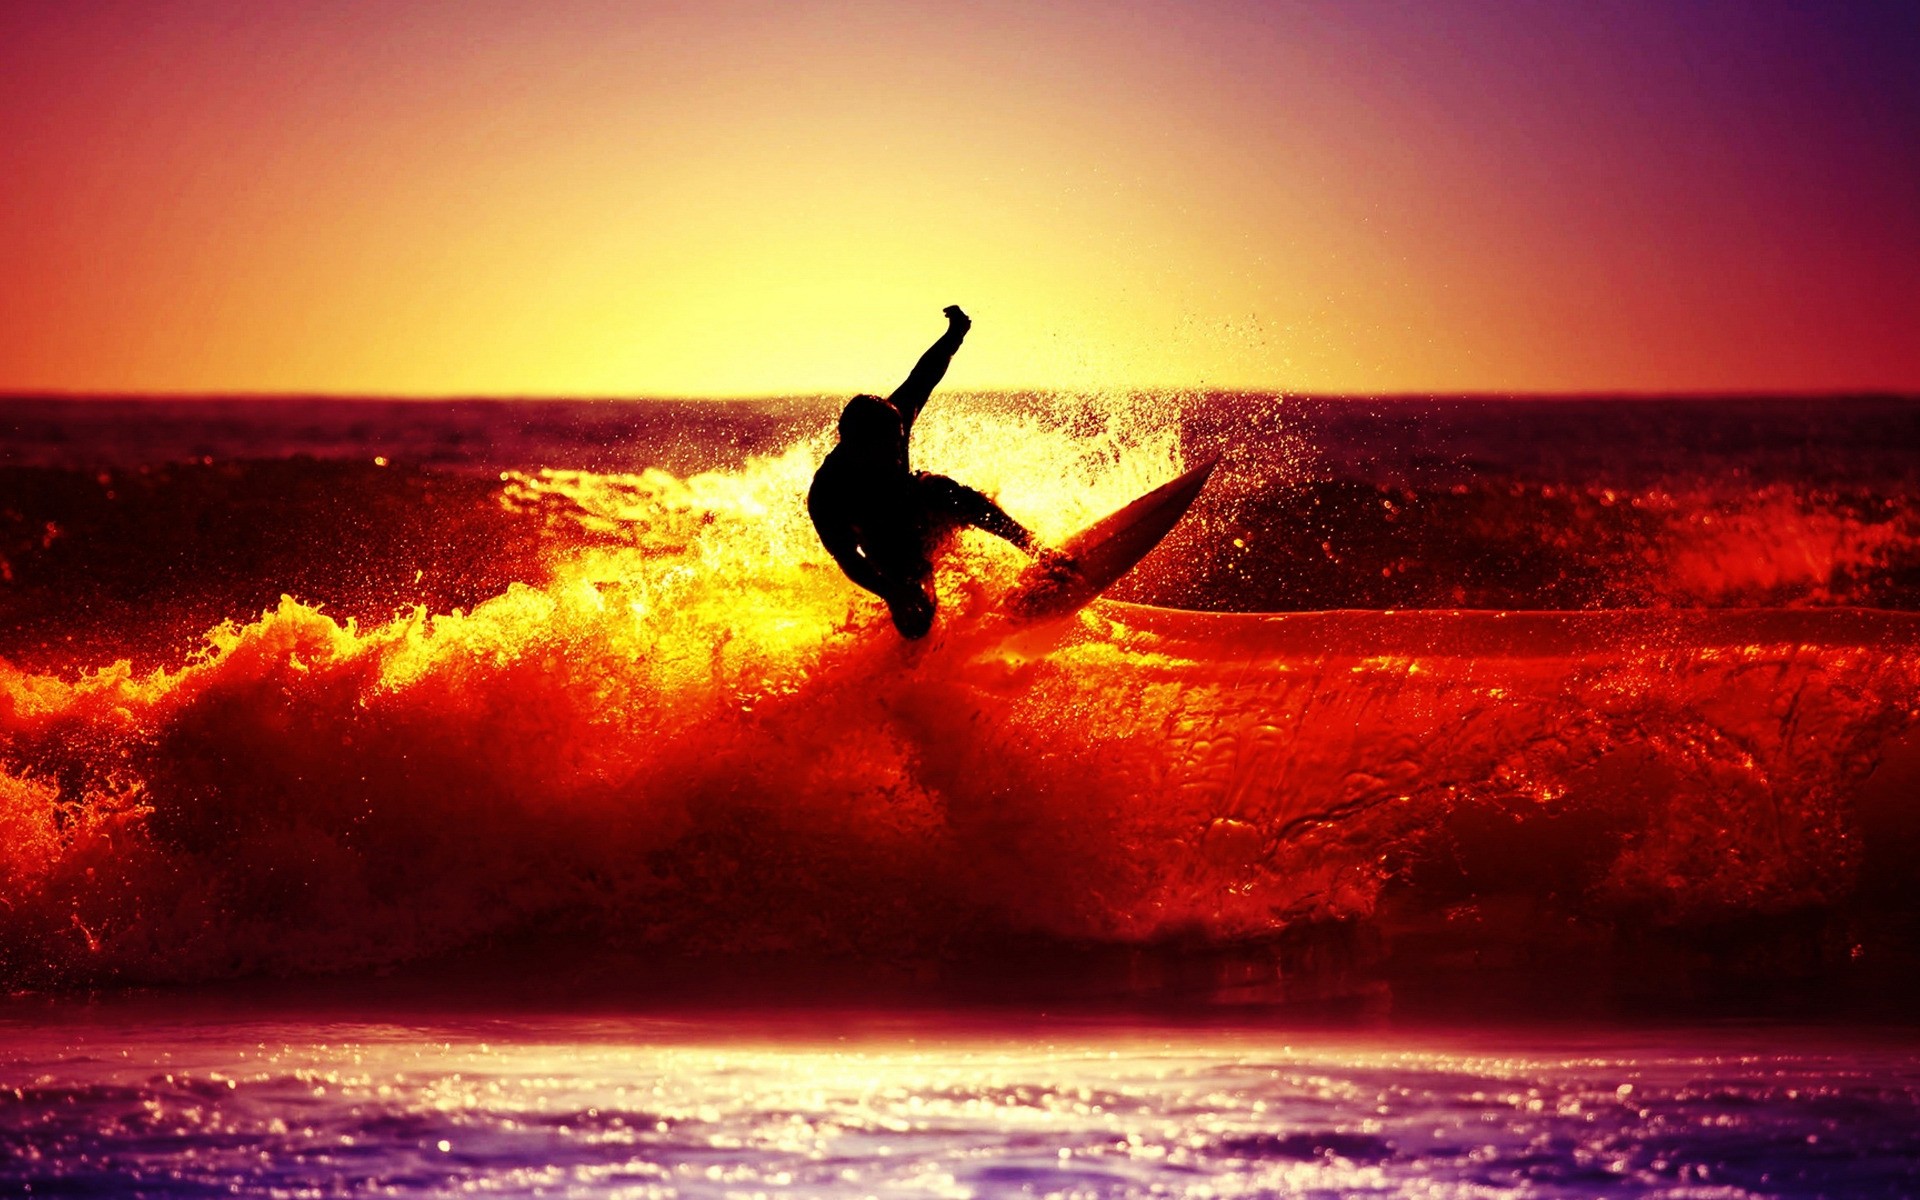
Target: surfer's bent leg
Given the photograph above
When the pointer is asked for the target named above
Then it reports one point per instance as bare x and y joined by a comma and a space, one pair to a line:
951, 501
912, 609
903, 577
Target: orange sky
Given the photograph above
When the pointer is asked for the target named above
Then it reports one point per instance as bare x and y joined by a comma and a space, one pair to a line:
751, 198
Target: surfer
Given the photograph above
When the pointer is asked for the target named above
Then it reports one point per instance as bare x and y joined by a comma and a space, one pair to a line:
880, 519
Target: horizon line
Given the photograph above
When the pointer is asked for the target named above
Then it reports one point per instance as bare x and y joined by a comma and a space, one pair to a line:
1701, 394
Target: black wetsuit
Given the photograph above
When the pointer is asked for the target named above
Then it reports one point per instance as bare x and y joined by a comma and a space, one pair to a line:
880, 519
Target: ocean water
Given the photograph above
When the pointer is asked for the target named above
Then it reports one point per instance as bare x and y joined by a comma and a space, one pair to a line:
1475, 711
854, 1103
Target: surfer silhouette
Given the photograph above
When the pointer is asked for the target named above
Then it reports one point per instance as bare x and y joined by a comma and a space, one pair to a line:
883, 521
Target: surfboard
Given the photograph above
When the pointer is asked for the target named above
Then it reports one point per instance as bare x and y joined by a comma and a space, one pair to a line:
1102, 553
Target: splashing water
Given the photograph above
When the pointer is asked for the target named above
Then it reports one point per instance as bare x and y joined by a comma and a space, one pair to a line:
690, 731
309, 794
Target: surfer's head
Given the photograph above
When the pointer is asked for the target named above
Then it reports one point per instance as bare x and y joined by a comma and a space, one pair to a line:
870, 421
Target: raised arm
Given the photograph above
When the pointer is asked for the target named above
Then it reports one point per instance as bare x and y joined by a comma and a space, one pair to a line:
911, 396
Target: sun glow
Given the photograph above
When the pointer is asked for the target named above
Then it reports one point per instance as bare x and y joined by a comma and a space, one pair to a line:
589, 198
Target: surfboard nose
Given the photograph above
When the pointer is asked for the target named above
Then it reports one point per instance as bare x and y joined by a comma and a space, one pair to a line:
1106, 550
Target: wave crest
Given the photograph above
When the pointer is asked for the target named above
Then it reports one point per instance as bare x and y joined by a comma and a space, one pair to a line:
692, 733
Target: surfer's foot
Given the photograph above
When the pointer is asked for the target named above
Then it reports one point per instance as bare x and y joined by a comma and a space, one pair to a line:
1055, 564
1051, 571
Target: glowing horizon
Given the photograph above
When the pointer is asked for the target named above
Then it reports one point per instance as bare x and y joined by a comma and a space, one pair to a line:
600, 199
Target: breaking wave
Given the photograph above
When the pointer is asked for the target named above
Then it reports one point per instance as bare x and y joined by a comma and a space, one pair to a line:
673, 724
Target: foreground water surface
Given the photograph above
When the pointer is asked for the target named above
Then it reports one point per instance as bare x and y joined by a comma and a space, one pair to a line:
125, 1100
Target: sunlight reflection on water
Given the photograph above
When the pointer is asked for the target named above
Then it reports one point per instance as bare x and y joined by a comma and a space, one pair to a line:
849, 1108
